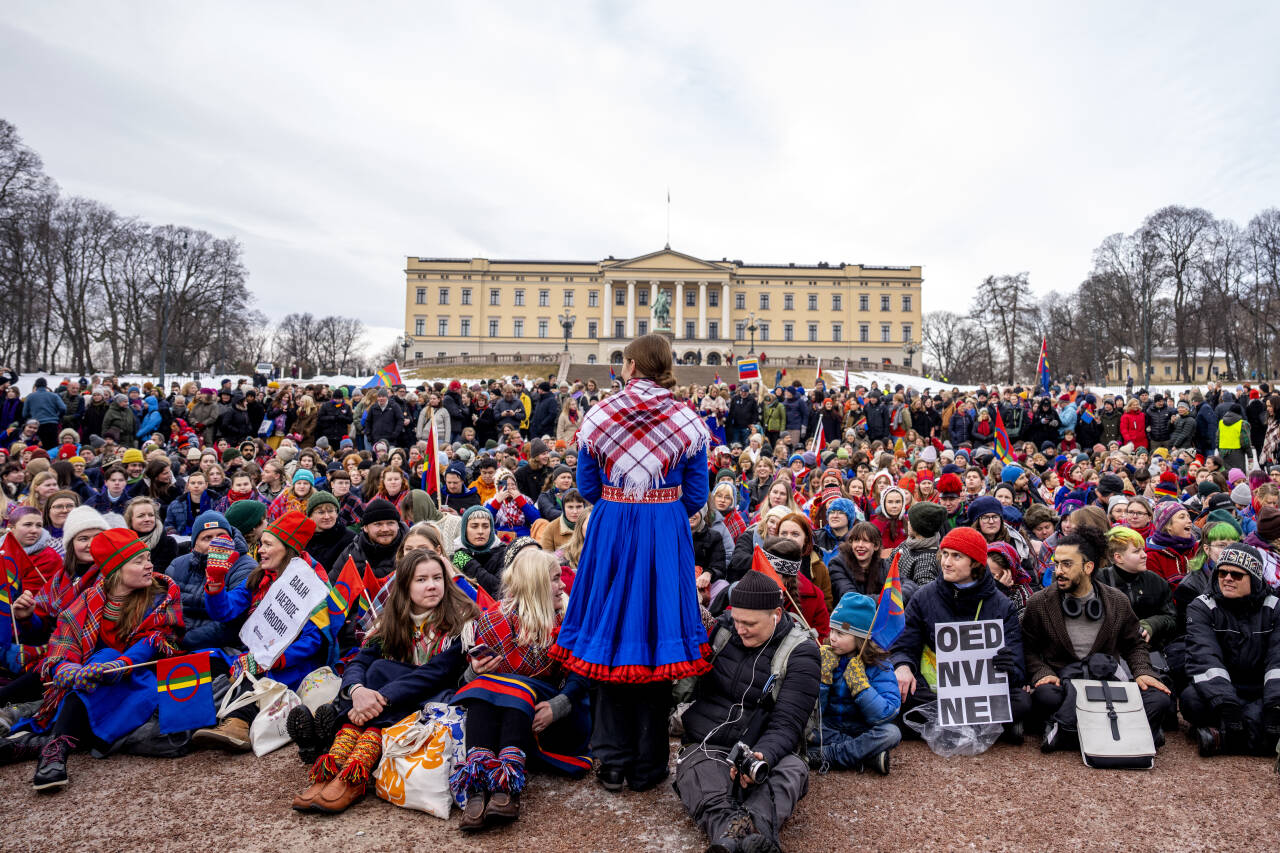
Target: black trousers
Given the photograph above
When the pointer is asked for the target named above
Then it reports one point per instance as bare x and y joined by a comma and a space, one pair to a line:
493, 727
630, 732
1201, 714
1048, 699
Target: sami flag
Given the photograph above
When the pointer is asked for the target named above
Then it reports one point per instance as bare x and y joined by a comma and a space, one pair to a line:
819, 440
186, 693
371, 582
748, 368
1042, 367
890, 619
760, 563
613, 377
1004, 447
388, 376
431, 464
477, 594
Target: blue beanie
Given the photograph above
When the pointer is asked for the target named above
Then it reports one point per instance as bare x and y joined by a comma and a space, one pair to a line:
208, 520
848, 507
304, 474
1010, 473
854, 614
985, 505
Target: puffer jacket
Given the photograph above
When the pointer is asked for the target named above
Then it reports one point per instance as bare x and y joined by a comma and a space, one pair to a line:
737, 678
1159, 427
960, 426
1234, 643
1183, 432
853, 714
188, 572
943, 601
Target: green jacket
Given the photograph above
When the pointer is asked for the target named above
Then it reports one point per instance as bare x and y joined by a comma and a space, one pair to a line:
775, 416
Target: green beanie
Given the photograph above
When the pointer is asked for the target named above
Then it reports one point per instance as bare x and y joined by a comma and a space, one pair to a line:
246, 514
319, 499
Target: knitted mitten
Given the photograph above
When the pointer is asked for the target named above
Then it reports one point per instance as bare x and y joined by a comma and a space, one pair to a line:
65, 675
855, 675
363, 759
222, 556
331, 763
89, 676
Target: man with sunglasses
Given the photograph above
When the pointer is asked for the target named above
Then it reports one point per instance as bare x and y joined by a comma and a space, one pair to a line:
1233, 659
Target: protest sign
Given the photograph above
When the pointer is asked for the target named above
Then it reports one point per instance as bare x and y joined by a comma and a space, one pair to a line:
970, 692
283, 612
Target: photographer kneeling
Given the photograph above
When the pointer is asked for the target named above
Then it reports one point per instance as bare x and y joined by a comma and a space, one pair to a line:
740, 796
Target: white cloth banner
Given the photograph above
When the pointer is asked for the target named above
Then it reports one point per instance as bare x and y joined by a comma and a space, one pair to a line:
283, 613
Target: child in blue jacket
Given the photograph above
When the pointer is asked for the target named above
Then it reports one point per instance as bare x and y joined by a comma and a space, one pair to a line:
858, 698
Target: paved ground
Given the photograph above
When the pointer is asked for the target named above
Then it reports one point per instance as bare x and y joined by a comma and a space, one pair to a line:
1009, 798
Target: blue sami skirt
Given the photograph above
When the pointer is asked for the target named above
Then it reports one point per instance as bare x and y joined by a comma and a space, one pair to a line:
633, 616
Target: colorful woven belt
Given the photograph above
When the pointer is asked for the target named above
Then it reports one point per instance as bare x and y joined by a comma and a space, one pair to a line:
652, 496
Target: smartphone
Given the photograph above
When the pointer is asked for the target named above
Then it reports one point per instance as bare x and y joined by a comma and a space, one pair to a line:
481, 651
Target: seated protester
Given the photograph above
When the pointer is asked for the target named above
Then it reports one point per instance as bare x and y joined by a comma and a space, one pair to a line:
114, 495
891, 517
986, 515
731, 705
249, 519
1233, 659
1010, 577
1149, 594
330, 538
1039, 523
294, 498
1173, 549
803, 598
745, 546
412, 656
708, 544
1076, 619
796, 528
1266, 538
284, 540
36, 613
56, 508
546, 719
859, 696
158, 482
571, 552
478, 553
350, 506
423, 536
841, 515
142, 516
550, 502
917, 556
1217, 536
857, 565
512, 511
27, 544
191, 574
964, 592
241, 490
558, 533
129, 616
375, 545
458, 497
182, 513
419, 507
724, 497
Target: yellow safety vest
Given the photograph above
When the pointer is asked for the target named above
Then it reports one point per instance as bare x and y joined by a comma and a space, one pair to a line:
1229, 435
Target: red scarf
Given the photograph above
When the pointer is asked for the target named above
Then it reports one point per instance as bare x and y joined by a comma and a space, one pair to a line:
638, 435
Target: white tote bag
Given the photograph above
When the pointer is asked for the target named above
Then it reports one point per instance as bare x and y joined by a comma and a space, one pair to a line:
267, 732
417, 758
320, 687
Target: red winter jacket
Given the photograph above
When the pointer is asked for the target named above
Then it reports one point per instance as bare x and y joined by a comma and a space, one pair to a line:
1133, 429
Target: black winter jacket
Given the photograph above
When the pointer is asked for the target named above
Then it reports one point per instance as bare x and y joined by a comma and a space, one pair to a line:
708, 551
737, 678
384, 424
1151, 599
1233, 644
1183, 432
1158, 426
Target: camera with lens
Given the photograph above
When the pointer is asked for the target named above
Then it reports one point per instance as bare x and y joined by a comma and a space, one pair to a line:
743, 758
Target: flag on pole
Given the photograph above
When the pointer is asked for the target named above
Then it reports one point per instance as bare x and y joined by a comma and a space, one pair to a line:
847, 386
349, 587
1042, 367
371, 582
185, 685
477, 594
890, 618
613, 377
819, 440
1004, 447
760, 563
818, 377
388, 376
717, 381
748, 368
431, 464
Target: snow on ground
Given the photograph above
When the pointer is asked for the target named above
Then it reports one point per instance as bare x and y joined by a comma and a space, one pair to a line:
835, 378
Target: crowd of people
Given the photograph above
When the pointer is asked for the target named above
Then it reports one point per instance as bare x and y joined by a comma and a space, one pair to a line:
140, 522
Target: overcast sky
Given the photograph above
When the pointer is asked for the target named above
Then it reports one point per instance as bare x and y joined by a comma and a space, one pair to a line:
333, 139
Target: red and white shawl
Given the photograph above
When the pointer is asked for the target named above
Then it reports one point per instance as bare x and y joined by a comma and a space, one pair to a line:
640, 433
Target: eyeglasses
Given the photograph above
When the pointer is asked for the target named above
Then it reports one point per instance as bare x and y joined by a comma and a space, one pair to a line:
1235, 576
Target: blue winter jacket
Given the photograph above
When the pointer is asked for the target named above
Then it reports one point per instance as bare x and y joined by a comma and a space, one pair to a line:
204, 631
943, 601
150, 421
43, 405
855, 714
797, 412
959, 427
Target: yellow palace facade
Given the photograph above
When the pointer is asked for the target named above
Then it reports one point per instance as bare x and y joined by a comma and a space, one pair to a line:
477, 306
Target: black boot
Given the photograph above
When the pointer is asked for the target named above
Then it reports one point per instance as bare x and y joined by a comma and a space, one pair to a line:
1208, 740
51, 772
301, 726
23, 746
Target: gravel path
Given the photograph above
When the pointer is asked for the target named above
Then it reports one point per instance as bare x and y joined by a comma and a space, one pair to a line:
1009, 798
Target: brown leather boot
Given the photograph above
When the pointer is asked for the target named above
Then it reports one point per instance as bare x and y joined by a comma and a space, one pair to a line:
232, 733
350, 785
502, 808
473, 814
305, 801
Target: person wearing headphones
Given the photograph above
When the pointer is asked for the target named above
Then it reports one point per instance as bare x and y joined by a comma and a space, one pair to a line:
1077, 619
744, 700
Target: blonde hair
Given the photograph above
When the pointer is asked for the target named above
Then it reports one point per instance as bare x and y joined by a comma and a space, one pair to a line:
526, 592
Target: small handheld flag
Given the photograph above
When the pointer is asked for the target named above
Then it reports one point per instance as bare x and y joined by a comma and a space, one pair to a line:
1004, 447
748, 368
186, 693
431, 463
613, 377
819, 440
890, 619
477, 594
387, 376
1042, 367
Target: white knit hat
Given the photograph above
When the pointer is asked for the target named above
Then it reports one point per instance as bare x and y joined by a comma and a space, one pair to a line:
79, 520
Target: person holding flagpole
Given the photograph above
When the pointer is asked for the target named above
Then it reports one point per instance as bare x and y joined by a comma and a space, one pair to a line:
633, 623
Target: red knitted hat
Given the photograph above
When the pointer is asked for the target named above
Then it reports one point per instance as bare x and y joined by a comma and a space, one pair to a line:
949, 484
113, 548
969, 542
293, 529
